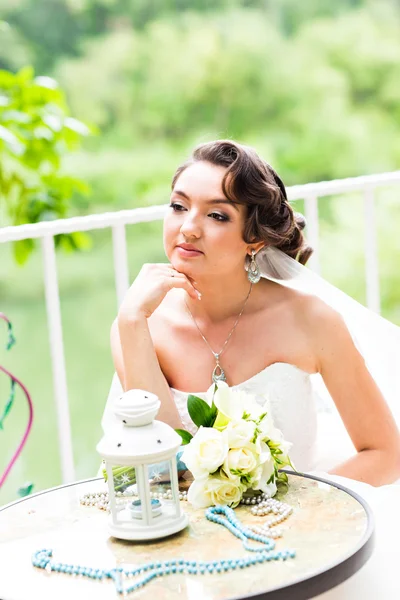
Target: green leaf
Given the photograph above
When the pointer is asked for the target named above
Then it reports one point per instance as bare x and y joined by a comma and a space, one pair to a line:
22, 249
25, 489
25, 74
214, 413
185, 435
282, 482
282, 476
200, 412
9, 404
261, 417
271, 479
82, 240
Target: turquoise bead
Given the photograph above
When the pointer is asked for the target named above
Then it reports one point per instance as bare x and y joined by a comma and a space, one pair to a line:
221, 515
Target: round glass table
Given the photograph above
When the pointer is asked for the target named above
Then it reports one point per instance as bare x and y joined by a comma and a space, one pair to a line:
331, 530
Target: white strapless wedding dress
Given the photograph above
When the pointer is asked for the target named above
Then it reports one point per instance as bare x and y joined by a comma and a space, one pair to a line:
295, 400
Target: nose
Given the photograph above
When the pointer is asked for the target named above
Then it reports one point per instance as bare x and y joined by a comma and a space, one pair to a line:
190, 226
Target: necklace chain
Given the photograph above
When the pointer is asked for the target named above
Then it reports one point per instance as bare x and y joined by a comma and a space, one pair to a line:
221, 375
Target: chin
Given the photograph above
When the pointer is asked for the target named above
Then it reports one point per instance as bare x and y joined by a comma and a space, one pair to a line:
181, 266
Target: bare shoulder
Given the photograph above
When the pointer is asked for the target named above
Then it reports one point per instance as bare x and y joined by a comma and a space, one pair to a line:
306, 308
319, 318
328, 332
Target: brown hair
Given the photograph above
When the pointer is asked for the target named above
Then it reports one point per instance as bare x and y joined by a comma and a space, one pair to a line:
250, 181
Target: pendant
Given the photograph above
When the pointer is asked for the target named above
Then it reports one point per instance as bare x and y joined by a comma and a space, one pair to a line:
253, 273
218, 374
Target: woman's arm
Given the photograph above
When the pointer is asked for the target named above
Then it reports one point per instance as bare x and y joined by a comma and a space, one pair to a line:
136, 363
133, 351
358, 399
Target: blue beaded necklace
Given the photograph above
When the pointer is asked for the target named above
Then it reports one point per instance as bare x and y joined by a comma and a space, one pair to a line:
149, 571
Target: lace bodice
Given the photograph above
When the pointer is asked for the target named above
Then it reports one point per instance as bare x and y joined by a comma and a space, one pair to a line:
291, 401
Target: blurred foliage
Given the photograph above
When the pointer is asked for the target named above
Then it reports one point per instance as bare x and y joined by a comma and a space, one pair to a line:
310, 84
314, 86
35, 133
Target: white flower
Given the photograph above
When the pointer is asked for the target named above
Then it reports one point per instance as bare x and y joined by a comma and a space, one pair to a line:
215, 489
198, 494
268, 432
254, 478
232, 404
267, 470
206, 451
240, 461
239, 433
269, 488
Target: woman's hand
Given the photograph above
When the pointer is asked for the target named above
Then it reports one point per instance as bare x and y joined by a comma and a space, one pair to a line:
150, 287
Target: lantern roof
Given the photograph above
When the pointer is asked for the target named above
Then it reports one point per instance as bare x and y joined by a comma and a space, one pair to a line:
135, 437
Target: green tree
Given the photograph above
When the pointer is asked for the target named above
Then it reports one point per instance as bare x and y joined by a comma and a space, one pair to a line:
35, 133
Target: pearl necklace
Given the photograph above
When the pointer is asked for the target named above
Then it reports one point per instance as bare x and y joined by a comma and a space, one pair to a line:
222, 515
100, 499
261, 504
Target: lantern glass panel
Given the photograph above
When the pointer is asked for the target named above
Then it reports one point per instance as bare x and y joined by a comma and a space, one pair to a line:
162, 487
124, 483
159, 483
124, 478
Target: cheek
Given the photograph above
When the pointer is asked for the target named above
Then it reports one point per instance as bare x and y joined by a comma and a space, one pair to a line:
168, 232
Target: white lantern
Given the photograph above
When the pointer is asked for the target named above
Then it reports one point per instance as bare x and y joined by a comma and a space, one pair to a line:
136, 440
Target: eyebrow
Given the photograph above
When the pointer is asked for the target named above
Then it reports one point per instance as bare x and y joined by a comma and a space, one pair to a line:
214, 201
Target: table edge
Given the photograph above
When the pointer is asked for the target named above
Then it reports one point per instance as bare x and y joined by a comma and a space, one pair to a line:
327, 578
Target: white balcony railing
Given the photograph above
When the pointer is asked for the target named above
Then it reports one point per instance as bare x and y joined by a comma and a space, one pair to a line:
46, 231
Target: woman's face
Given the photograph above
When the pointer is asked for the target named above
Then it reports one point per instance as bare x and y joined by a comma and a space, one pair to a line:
203, 229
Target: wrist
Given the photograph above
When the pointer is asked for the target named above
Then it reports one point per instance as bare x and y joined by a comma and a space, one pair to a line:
131, 318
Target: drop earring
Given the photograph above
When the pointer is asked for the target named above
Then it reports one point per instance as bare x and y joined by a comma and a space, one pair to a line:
253, 273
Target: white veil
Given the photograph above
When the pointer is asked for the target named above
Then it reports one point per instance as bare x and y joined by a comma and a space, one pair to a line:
377, 339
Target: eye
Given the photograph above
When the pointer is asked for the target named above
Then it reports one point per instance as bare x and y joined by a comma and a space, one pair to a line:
219, 217
176, 207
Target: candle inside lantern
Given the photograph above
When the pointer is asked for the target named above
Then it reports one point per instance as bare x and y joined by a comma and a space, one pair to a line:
136, 508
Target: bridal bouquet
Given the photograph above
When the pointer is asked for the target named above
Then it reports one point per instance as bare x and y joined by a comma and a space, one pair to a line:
237, 449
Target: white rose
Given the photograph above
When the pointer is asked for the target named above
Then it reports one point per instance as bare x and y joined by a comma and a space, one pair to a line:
216, 489
206, 451
240, 461
239, 433
198, 494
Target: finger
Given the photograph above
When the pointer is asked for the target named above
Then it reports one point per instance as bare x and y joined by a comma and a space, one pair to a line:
175, 273
182, 282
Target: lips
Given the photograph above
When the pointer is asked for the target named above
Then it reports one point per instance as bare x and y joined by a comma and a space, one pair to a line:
189, 248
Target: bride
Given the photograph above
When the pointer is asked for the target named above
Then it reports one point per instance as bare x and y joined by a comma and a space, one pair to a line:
224, 308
